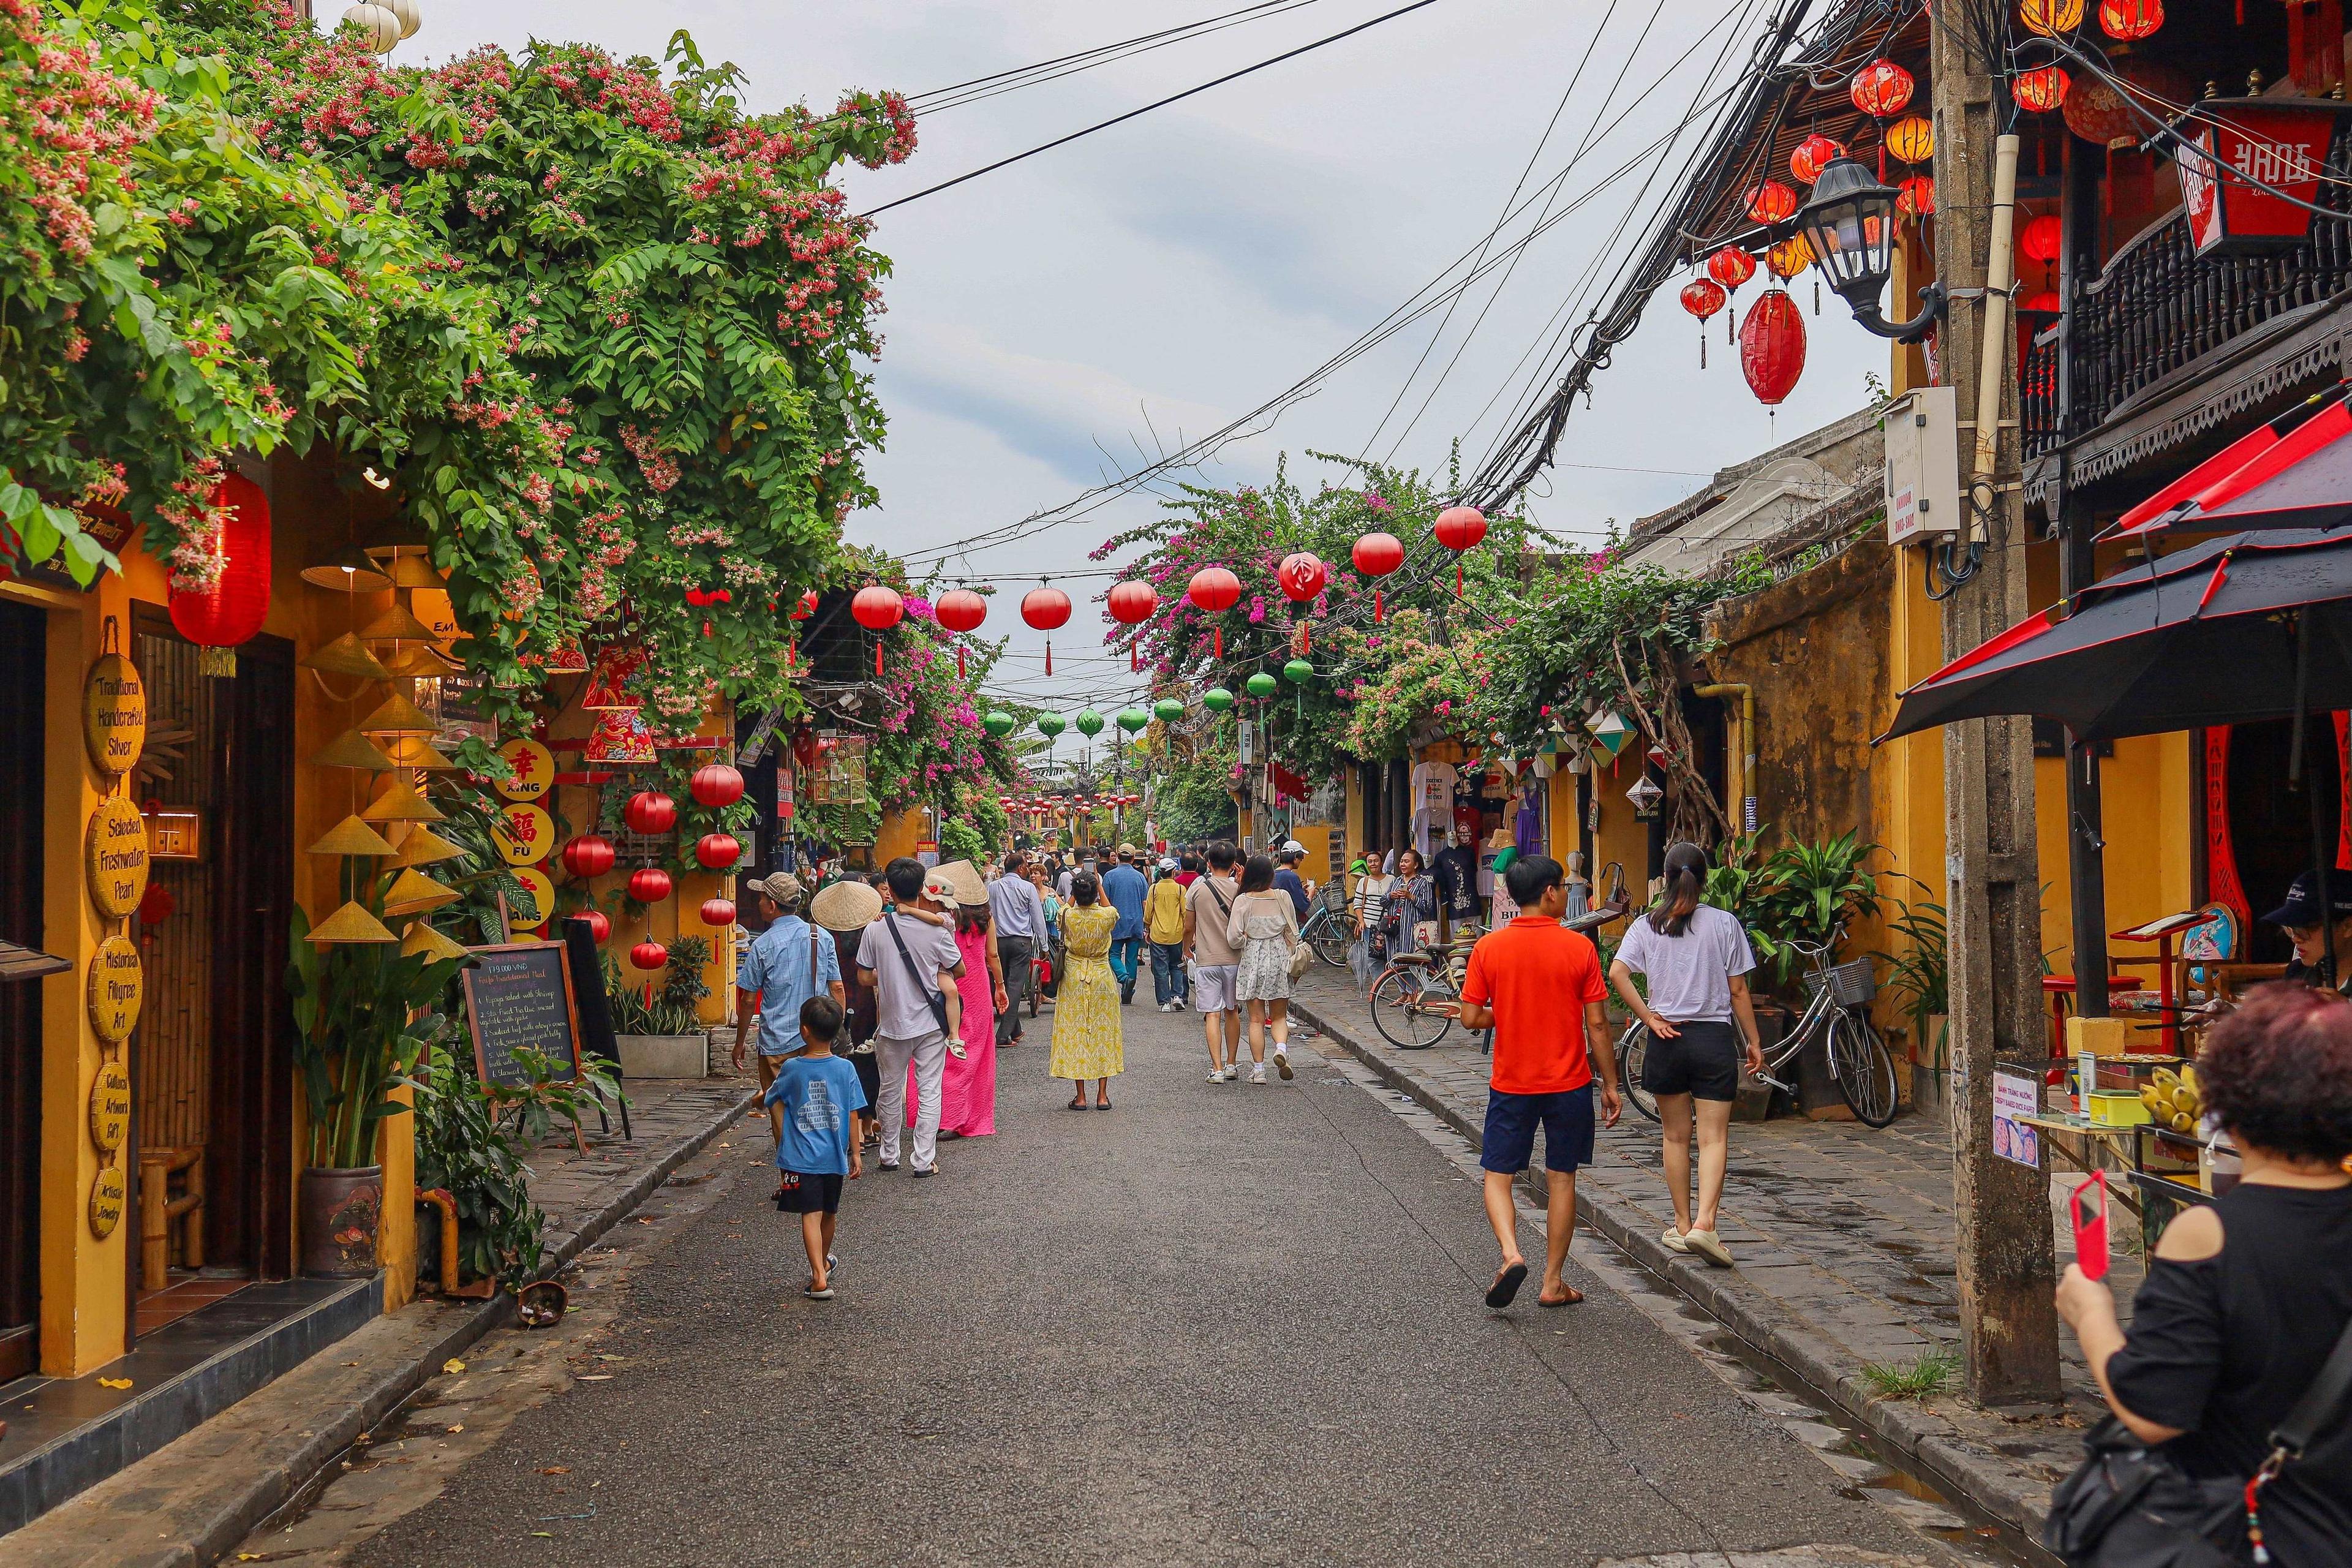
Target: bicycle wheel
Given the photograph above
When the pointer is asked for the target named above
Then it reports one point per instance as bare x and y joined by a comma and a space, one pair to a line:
1633, 1046
1405, 1012
1330, 942
1864, 1069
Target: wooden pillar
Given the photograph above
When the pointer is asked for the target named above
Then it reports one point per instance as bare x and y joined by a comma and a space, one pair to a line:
2078, 567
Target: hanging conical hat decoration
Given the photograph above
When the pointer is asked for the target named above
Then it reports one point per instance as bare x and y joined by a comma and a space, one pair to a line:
345, 656
423, 847
410, 569
423, 939
352, 836
422, 659
604, 693
412, 892
351, 923
620, 737
567, 658
401, 803
417, 752
398, 716
352, 750
396, 624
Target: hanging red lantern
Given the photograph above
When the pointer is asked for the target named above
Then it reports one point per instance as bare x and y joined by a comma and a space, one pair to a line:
878, 608
2130, 21
1731, 266
1132, 603
2040, 91
156, 905
1917, 196
2040, 240
1459, 528
1045, 609
1771, 202
1703, 296
1772, 347
649, 884
649, 955
717, 851
961, 611
1881, 89
1214, 590
715, 785
717, 912
599, 929
806, 607
650, 811
2118, 114
1301, 576
1812, 155
2044, 304
589, 855
804, 746
230, 612
1376, 556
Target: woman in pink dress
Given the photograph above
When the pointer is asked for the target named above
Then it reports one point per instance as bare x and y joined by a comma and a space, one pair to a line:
968, 1087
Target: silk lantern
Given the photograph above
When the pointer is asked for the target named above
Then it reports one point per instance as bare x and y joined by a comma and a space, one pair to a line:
1376, 556
1132, 603
649, 884
960, 610
600, 929
589, 854
1731, 266
1771, 201
1459, 528
1045, 609
1215, 590
2130, 21
1881, 89
715, 785
2040, 91
1812, 155
650, 811
717, 912
717, 851
2050, 18
1772, 347
878, 608
1912, 139
230, 612
1301, 576
1917, 196
1703, 296
649, 955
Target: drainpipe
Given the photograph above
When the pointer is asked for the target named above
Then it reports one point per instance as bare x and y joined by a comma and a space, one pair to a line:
2001, 274
1746, 695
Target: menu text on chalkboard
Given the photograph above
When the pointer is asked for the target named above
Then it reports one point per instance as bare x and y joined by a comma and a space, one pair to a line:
520, 997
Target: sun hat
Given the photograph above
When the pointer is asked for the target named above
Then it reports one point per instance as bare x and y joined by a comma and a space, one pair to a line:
847, 906
958, 881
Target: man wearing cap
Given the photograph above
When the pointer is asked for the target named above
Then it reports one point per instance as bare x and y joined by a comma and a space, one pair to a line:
2306, 920
1124, 889
785, 964
1287, 877
1019, 916
912, 965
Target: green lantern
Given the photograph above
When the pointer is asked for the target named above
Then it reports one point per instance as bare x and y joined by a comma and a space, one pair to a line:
1090, 723
1133, 718
1260, 685
1298, 672
1051, 725
1168, 709
1216, 700
1000, 723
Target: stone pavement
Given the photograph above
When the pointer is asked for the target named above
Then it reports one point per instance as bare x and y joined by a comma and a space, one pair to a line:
1845, 1240
196, 1499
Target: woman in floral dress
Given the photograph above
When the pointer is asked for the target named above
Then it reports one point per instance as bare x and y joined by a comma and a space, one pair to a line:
1264, 925
1088, 1043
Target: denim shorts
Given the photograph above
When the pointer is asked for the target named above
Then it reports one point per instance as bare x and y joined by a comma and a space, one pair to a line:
1511, 1120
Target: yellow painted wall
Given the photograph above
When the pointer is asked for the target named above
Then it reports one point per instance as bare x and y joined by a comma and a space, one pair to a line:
899, 833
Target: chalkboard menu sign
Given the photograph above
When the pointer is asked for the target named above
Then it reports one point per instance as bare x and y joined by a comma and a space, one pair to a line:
521, 996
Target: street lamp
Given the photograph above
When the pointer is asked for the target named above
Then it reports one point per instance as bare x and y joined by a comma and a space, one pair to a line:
1849, 224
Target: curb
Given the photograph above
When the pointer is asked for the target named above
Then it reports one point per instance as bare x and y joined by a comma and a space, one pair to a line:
1923, 1439
188, 1520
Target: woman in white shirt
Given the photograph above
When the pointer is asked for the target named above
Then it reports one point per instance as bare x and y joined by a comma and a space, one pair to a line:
1370, 898
1697, 960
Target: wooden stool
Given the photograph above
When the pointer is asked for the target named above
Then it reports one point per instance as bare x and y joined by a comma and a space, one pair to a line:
158, 1210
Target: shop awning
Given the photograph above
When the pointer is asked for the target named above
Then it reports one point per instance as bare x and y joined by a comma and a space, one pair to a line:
28, 962
2293, 472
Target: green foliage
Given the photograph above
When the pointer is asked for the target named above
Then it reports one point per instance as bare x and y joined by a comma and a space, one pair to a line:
1800, 892
672, 1007
1929, 1375
960, 840
363, 1017
1920, 972
463, 1149
534, 1107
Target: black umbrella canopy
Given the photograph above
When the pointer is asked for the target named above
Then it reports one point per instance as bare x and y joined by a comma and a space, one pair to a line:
2204, 637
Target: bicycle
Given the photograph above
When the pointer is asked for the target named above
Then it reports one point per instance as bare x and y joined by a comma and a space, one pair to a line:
1415, 1002
1838, 1015
1325, 930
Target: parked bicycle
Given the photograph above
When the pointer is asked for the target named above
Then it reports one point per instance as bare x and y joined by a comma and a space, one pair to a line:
1325, 930
1416, 999
1837, 1017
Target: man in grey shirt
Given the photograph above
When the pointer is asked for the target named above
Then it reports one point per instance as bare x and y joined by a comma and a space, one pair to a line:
906, 1030
1019, 916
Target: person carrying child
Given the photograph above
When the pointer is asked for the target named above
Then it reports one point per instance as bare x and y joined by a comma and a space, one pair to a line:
818, 1093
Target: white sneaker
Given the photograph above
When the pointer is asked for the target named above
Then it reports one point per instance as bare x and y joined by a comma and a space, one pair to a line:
1709, 1245
1180, 1005
1168, 1006
1257, 1074
1219, 1075
1282, 1063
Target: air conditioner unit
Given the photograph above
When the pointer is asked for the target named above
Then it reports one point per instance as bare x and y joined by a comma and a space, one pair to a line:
1923, 466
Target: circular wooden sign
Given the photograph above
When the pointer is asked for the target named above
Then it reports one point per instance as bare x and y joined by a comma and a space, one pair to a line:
118, 984
433, 607
109, 1107
115, 856
524, 833
114, 714
537, 902
106, 1198
533, 771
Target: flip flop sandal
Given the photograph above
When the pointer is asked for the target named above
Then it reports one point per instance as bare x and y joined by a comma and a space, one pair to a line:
1505, 1288
1570, 1300
815, 1295
1078, 1105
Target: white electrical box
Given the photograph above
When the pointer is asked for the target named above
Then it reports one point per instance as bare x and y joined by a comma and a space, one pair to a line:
1923, 466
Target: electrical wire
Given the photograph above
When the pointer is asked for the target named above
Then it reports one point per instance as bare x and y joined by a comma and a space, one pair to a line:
1002, 82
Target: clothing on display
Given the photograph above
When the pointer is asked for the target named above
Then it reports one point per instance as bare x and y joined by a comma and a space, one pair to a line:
1433, 802
1455, 870
1527, 825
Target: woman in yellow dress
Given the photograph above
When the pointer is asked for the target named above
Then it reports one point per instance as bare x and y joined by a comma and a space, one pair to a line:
1087, 1040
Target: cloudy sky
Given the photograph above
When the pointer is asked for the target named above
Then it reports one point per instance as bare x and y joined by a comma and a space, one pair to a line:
1148, 285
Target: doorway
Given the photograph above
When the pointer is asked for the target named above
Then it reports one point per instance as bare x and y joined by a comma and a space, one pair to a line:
2270, 818
23, 634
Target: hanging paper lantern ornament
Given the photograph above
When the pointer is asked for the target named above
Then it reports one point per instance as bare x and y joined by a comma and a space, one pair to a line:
649, 884
1789, 257
1460, 528
649, 955
589, 855
1051, 725
1132, 603
2040, 91
1168, 709
1771, 202
650, 811
1298, 672
1731, 266
1376, 556
230, 612
878, 608
2045, 303
2116, 114
1917, 196
1045, 609
1089, 722
961, 611
1812, 155
717, 851
1133, 720
1216, 700
1260, 685
1881, 89
1702, 297
999, 724
717, 912
600, 929
715, 785
1912, 139
2051, 18
1214, 590
1772, 347
2130, 21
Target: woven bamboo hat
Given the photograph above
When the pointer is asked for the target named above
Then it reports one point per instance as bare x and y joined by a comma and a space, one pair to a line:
969, 887
847, 906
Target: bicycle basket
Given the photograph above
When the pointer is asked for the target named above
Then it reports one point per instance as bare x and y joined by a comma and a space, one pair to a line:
1851, 985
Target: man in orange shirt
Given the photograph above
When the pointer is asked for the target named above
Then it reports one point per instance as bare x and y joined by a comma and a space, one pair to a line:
1538, 986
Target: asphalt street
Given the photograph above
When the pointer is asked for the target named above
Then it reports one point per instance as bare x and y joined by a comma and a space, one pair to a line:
1213, 1324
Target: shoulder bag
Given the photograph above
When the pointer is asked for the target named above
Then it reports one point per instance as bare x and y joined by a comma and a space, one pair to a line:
2131, 1506
939, 1003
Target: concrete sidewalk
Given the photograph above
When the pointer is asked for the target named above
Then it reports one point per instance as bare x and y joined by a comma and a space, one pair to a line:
194, 1499
1844, 1242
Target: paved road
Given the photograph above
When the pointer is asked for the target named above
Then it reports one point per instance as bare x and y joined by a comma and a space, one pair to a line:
1220, 1324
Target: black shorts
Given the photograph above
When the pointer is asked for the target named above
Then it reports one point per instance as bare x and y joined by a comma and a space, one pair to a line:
803, 1192
1511, 1120
1702, 1060
869, 1077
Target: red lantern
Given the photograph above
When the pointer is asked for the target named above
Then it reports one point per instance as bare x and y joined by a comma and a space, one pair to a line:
2130, 20
1214, 590
717, 912
1771, 202
2041, 91
1132, 603
1703, 296
804, 746
2044, 304
960, 610
2118, 114
1917, 196
2040, 240
650, 811
715, 785
649, 884
1044, 609
156, 905
1376, 556
877, 608
1812, 155
1881, 89
589, 855
1731, 266
649, 955
599, 928
717, 851
1772, 347
231, 611
1459, 528
1301, 576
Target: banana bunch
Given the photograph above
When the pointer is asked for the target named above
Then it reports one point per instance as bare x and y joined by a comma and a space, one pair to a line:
2172, 1098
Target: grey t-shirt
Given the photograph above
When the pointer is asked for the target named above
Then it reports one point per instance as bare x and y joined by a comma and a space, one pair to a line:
902, 1006
1689, 974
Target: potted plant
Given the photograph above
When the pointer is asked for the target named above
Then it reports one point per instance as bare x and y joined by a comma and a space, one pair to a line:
1920, 977
658, 1032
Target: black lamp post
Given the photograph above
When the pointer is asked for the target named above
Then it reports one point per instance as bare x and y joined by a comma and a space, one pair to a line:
1849, 224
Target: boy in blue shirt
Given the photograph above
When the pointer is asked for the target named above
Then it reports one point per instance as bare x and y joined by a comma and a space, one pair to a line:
818, 1093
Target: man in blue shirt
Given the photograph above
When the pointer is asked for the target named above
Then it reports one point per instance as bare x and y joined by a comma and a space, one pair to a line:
786, 964
1287, 877
1019, 912
819, 1096
1125, 887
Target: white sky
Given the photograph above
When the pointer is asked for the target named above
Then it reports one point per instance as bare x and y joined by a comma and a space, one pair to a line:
1171, 273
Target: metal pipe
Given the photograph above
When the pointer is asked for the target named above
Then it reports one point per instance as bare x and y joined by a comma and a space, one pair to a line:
1746, 695
2000, 276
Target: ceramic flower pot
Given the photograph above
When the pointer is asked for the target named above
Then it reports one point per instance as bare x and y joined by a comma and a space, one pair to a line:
340, 1212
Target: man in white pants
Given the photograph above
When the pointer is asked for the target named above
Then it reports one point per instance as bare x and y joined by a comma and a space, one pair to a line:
906, 1030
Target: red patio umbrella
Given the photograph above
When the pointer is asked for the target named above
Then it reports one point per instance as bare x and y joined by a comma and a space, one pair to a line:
2293, 472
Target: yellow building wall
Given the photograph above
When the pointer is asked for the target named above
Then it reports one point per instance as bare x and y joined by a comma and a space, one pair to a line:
899, 833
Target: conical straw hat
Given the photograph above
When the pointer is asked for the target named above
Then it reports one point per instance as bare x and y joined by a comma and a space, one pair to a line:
352, 836
351, 923
401, 803
422, 658
411, 570
423, 847
397, 715
424, 939
847, 906
417, 752
345, 656
347, 571
398, 623
352, 750
971, 887
413, 892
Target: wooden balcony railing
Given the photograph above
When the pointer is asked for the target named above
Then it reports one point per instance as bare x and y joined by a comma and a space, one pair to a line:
2157, 307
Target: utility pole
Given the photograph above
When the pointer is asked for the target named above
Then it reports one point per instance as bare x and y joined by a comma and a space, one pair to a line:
2006, 1259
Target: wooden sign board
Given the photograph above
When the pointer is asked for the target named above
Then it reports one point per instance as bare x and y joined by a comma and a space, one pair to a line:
520, 995
115, 856
114, 715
